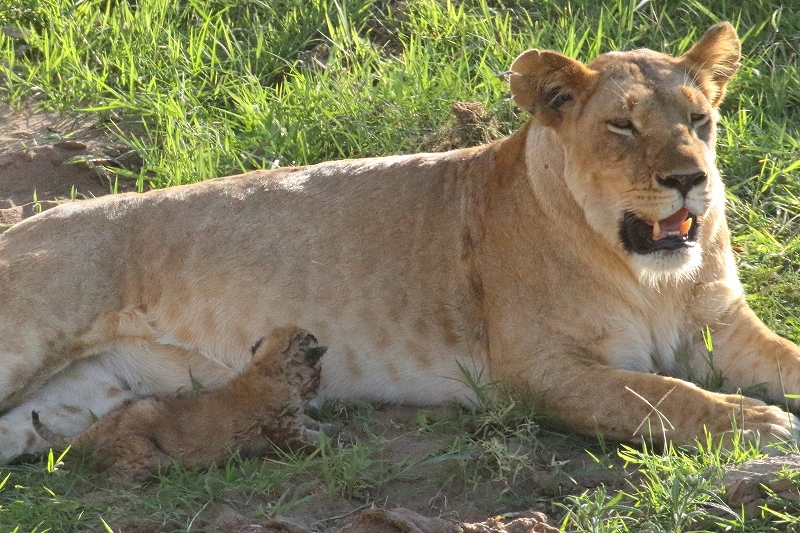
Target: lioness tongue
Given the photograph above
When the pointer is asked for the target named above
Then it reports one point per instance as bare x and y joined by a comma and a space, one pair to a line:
677, 224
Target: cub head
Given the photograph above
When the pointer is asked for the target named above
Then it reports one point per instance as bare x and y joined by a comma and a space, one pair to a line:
637, 131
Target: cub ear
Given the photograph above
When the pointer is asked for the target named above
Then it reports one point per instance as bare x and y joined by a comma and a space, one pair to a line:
544, 81
713, 60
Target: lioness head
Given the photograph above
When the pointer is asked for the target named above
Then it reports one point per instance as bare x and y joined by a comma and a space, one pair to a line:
638, 133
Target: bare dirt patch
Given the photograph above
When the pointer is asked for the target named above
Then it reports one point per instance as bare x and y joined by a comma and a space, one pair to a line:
751, 485
46, 159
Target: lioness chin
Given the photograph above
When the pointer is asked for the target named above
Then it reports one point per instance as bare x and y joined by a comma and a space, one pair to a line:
578, 260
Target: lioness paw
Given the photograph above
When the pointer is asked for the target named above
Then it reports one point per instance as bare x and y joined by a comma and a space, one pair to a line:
752, 421
770, 426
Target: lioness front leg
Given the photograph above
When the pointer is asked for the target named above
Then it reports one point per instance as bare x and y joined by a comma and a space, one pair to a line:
750, 356
595, 398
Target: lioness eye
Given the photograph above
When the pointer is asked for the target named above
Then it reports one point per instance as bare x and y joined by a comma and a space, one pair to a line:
622, 126
699, 119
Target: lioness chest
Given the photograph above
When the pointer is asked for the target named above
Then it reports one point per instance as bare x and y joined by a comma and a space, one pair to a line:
653, 335
600, 315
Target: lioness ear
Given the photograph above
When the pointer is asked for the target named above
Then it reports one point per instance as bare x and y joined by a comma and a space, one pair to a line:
544, 81
714, 59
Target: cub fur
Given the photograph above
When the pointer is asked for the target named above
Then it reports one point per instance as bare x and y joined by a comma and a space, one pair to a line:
578, 261
260, 408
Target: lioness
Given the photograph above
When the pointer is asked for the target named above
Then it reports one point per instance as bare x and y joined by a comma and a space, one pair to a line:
577, 260
261, 407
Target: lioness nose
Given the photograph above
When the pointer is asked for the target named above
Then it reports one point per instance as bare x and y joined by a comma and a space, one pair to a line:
683, 182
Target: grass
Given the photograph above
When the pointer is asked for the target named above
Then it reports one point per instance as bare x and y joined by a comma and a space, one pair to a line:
677, 492
201, 89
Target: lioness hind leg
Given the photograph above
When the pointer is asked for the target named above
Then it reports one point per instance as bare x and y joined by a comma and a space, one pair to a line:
72, 399
68, 402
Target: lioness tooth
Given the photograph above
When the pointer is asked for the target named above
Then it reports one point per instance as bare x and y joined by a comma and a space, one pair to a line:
686, 226
656, 230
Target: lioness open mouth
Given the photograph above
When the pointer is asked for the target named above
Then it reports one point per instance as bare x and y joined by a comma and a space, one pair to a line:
641, 236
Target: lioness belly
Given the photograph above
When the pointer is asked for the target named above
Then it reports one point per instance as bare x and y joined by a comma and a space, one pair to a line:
388, 341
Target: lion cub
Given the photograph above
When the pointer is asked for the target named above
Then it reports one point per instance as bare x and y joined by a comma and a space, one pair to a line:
261, 407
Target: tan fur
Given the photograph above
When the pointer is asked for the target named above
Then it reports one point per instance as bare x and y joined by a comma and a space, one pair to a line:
260, 408
507, 260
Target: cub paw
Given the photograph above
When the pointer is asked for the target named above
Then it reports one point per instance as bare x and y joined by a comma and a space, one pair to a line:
304, 367
293, 354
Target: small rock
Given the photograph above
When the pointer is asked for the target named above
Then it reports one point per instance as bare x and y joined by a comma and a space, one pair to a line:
532, 522
746, 484
70, 145
14, 32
